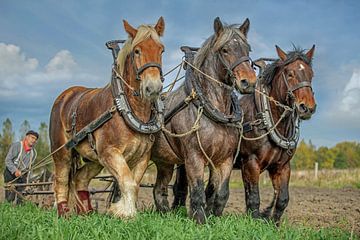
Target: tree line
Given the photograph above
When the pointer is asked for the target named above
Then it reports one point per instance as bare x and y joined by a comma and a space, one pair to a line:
343, 155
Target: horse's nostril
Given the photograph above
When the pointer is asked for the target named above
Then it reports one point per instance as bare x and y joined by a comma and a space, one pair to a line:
244, 83
303, 108
313, 109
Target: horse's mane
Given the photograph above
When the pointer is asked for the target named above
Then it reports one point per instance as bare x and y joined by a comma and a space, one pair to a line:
271, 70
214, 43
143, 32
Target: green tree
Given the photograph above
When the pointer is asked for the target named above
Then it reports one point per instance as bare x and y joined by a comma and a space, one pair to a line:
347, 155
326, 157
24, 127
304, 157
6, 139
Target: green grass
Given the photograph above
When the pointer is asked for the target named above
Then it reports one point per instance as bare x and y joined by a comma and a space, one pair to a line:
30, 222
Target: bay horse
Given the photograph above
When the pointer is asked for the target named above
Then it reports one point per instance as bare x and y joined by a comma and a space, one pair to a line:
287, 80
224, 56
118, 144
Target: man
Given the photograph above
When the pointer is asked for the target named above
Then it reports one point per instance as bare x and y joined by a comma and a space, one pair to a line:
19, 159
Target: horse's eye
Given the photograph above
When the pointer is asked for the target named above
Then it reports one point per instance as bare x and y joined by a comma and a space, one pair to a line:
137, 51
224, 50
291, 74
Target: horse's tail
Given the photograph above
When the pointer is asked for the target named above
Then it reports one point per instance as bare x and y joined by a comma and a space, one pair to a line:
74, 200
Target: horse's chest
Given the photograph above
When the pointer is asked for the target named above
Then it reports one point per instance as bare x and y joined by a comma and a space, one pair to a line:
223, 142
137, 147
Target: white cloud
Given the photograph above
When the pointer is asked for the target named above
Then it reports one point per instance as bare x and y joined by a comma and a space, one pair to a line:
351, 95
19, 73
63, 61
13, 61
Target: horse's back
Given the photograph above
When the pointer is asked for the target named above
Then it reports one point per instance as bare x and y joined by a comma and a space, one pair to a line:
60, 113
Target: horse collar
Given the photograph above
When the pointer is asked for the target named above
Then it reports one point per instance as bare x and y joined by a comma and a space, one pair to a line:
209, 110
157, 117
263, 105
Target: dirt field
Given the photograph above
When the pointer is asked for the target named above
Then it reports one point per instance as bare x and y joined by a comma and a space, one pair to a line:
314, 207
308, 206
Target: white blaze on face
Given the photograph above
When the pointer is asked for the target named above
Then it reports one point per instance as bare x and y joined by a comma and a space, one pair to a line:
301, 67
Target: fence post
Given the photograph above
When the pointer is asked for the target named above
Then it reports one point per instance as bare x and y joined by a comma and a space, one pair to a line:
316, 170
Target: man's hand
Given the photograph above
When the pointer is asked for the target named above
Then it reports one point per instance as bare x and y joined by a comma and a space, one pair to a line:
17, 173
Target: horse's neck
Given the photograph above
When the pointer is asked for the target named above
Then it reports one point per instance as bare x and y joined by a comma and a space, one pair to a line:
140, 107
218, 96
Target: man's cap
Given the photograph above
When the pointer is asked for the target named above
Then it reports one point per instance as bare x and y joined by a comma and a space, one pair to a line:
32, 132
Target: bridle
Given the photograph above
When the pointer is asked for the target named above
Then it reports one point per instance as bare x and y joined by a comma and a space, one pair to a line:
140, 70
230, 68
290, 89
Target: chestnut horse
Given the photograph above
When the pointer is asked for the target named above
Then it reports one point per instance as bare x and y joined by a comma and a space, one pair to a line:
288, 80
122, 150
224, 57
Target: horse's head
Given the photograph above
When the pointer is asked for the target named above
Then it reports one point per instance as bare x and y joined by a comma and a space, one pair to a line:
232, 51
144, 50
296, 75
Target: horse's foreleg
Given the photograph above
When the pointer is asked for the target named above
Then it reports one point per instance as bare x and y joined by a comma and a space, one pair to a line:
180, 188
211, 190
115, 162
62, 164
195, 171
82, 180
160, 191
250, 174
222, 193
280, 180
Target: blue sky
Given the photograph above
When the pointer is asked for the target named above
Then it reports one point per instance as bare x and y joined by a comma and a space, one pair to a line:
48, 46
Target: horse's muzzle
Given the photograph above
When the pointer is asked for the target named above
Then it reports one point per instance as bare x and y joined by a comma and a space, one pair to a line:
305, 112
151, 89
245, 87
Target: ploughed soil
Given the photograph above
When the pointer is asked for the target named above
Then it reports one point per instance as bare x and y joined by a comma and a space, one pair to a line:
308, 206
313, 207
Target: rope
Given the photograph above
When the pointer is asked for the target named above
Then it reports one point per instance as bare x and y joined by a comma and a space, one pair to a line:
271, 129
203, 151
176, 78
173, 69
208, 76
277, 103
123, 80
193, 129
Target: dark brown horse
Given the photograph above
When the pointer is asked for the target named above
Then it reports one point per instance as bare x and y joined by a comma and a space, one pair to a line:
288, 80
224, 57
116, 145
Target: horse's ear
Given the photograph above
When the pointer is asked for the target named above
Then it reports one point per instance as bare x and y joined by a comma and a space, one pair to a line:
160, 26
218, 26
244, 28
129, 29
280, 53
310, 53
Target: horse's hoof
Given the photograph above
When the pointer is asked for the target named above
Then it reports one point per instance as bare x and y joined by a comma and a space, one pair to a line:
199, 217
84, 206
63, 209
